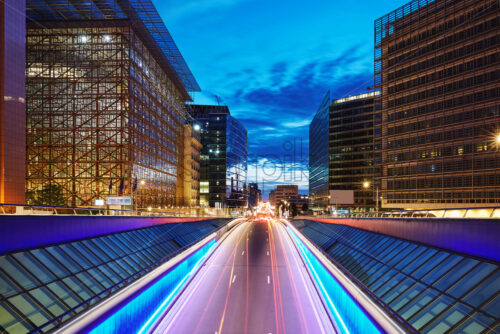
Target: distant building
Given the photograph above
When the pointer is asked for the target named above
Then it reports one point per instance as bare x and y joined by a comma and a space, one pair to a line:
105, 100
192, 151
299, 200
224, 157
438, 115
12, 102
271, 197
284, 193
254, 195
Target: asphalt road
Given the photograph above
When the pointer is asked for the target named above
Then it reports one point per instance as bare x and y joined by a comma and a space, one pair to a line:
254, 282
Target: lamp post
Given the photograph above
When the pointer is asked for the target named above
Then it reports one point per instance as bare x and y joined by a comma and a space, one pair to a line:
366, 185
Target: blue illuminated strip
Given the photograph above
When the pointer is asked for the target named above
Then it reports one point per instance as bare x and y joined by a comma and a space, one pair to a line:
142, 312
348, 315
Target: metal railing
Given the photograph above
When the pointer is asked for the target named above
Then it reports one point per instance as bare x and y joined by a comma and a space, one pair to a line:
44, 210
460, 213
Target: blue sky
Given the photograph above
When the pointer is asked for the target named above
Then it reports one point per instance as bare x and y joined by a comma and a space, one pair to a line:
272, 62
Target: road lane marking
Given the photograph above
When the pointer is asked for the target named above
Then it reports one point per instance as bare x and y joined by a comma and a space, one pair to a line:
234, 278
268, 279
267, 253
243, 253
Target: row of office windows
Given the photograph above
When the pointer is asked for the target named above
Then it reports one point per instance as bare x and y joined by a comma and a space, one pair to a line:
458, 53
447, 41
448, 88
453, 181
458, 195
443, 105
476, 12
485, 131
437, 152
447, 120
476, 163
459, 69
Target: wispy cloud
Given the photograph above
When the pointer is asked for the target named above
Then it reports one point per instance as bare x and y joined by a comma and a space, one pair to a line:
194, 7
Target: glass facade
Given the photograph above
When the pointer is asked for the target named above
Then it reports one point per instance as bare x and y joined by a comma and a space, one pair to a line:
105, 112
437, 69
433, 290
351, 148
42, 288
318, 156
224, 157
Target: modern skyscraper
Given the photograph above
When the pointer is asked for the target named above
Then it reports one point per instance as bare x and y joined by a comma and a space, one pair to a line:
319, 156
12, 102
224, 157
351, 148
106, 87
341, 152
437, 135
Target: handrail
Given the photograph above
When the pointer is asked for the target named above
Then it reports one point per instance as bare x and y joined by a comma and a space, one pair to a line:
28, 209
455, 213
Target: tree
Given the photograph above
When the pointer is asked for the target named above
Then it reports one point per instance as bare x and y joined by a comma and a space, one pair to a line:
293, 209
305, 207
50, 194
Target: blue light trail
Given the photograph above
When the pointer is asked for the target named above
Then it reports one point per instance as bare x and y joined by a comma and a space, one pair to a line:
348, 315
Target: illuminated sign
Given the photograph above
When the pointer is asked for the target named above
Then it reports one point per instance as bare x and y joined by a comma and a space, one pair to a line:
119, 200
99, 202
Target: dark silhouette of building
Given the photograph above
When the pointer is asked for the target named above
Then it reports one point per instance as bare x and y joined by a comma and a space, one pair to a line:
438, 113
254, 194
12, 102
224, 157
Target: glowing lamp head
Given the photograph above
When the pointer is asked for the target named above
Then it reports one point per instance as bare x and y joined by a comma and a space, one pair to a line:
196, 127
366, 184
497, 139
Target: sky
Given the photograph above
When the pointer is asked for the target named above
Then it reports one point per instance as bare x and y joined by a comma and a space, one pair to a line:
272, 62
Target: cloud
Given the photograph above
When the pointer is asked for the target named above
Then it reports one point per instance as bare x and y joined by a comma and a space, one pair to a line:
194, 7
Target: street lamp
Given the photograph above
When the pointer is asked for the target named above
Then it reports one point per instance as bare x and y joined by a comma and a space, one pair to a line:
366, 185
497, 139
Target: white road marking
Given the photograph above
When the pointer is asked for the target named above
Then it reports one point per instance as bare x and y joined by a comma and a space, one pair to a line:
243, 253
234, 277
267, 253
268, 279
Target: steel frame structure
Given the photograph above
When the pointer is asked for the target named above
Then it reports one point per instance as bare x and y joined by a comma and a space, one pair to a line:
105, 96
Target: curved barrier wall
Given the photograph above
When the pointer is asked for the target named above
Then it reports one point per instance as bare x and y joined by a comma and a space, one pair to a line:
477, 237
22, 232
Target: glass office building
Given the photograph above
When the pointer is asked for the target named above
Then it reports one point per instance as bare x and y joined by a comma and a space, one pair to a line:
224, 157
431, 290
42, 288
319, 156
105, 92
351, 149
437, 69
